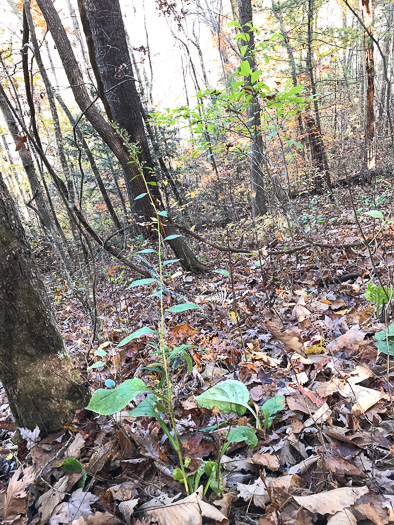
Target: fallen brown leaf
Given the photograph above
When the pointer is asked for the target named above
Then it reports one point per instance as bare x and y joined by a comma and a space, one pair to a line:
15, 501
188, 511
332, 501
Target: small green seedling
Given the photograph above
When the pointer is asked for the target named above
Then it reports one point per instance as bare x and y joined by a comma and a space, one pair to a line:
212, 469
270, 408
379, 295
385, 341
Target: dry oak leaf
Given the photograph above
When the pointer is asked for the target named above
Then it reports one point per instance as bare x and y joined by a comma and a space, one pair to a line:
265, 460
196, 447
304, 466
331, 387
267, 360
127, 508
300, 312
288, 337
319, 417
188, 511
52, 497
15, 498
332, 501
377, 508
124, 491
351, 340
74, 450
359, 438
21, 143
78, 505
225, 503
300, 403
364, 397
182, 331
341, 467
99, 518
370, 513
258, 490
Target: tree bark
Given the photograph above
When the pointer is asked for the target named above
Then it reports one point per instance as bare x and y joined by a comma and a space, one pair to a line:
51, 227
80, 249
38, 376
259, 204
27, 161
103, 25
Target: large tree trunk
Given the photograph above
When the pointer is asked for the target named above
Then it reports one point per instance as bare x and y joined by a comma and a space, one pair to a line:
132, 172
367, 13
104, 29
38, 376
259, 204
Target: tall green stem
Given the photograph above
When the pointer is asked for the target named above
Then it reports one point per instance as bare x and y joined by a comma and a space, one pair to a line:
161, 331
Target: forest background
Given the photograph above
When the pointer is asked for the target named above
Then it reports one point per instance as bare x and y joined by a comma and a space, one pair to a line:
200, 192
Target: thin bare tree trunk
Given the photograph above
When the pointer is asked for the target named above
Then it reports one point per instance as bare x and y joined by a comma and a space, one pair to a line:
367, 14
92, 162
259, 202
322, 170
290, 54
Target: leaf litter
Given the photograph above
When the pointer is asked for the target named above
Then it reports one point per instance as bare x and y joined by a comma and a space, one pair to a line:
327, 456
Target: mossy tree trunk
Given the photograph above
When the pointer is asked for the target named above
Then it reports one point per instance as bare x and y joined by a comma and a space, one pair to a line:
39, 378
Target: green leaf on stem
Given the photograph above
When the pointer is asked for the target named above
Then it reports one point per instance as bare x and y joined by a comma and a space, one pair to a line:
108, 402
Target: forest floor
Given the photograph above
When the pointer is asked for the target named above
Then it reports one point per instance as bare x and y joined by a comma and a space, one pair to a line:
298, 325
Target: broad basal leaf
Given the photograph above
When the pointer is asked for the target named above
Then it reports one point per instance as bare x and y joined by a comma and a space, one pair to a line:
141, 282
228, 396
172, 237
376, 214
146, 408
226, 273
247, 434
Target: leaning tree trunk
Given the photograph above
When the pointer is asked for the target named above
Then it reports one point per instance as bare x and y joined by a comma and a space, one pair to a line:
367, 13
37, 373
109, 54
259, 204
132, 172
